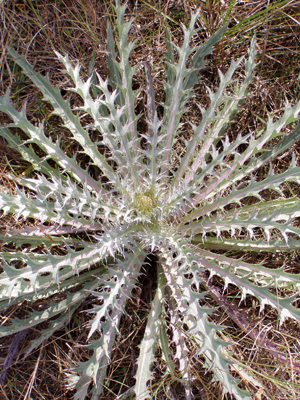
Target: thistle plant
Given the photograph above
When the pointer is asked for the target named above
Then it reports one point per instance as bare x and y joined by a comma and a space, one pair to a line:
188, 210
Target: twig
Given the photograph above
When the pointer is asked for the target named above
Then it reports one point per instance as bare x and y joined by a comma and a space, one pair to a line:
242, 320
12, 352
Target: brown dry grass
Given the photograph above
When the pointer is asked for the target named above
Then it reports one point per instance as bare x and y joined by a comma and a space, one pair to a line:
78, 28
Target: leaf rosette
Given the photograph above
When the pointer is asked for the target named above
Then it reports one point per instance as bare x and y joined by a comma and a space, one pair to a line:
187, 209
